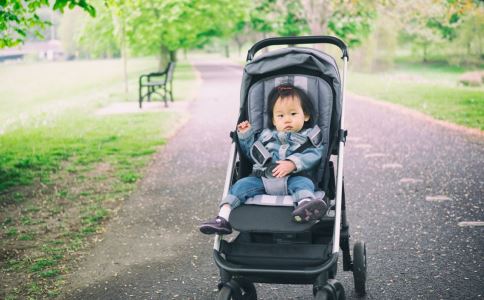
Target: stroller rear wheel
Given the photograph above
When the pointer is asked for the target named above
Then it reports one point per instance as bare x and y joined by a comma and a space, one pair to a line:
359, 267
237, 289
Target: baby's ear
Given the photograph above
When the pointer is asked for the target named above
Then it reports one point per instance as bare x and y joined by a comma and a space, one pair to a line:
306, 118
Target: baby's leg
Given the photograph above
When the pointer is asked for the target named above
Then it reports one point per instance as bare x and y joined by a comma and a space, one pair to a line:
300, 188
242, 190
309, 208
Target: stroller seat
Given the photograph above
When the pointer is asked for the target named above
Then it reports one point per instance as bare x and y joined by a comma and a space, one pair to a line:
257, 215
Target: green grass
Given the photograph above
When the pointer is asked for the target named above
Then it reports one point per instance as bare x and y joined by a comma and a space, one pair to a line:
38, 152
431, 90
64, 172
41, 87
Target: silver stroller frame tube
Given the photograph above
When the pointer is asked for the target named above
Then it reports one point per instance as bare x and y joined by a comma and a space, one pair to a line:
339, 180
228, 180
230, 170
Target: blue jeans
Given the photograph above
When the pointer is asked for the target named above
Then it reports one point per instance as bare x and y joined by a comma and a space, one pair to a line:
299, 187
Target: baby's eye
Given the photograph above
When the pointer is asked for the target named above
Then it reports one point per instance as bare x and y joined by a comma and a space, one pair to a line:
293, 114
279, 116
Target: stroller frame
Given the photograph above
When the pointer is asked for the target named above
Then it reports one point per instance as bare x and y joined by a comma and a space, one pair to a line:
236, 280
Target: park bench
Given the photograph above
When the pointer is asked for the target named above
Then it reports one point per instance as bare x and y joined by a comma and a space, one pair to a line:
160, 83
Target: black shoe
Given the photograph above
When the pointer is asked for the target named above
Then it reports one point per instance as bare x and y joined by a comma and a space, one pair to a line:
218, 225
309, 211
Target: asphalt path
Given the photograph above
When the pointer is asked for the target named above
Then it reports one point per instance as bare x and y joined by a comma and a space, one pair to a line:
412, 187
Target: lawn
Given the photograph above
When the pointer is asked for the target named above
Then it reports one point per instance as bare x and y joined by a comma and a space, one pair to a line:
65, 170
32, 90
433, 90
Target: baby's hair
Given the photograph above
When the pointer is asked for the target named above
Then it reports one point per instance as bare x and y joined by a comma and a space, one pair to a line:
287, 90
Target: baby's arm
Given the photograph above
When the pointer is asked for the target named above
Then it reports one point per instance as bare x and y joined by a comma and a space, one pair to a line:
246, 137
308, 159
243, 127
284, 168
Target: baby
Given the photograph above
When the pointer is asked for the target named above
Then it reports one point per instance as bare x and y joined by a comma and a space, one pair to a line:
290, 143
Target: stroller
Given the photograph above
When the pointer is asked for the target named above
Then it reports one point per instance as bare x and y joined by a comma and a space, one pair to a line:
268, 247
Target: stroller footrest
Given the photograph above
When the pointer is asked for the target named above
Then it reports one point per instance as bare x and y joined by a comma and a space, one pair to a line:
258, 218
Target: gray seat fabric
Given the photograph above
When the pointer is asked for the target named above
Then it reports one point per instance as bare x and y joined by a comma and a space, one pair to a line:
274, 200
317, 89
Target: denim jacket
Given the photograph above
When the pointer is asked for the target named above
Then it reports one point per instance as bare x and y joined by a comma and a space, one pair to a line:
283, 146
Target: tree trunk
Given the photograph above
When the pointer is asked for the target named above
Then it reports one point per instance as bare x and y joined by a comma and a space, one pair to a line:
124, 54
164, 57
227, 50
318, 13
120, 24
173, 55
425, 52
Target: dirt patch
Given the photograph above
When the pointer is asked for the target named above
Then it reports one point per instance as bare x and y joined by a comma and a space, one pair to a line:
472, 78
46, 228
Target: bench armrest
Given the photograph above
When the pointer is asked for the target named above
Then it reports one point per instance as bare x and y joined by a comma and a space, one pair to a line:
163, 73
156, 74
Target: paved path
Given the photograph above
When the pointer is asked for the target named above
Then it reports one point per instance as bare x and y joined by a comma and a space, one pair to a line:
410, 186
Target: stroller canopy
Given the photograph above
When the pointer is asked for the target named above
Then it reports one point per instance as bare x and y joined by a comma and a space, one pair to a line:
312, 70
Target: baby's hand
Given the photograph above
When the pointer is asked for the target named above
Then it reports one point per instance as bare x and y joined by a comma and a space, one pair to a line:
243, 127
284, 168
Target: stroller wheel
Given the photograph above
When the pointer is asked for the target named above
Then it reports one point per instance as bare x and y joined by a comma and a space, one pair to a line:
332, 290
322, 295
359, 267
238, 289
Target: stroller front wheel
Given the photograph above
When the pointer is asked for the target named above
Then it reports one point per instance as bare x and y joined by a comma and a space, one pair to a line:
238, 289
332, 290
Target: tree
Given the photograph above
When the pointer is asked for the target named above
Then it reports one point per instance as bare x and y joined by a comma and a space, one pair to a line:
427, 23
166, 26
262, 16
120, 10
18, 17
291, 20
69, 30
347, 19
467, 46
97, 37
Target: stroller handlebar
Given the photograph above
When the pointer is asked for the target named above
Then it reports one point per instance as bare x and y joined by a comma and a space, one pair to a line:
289, 40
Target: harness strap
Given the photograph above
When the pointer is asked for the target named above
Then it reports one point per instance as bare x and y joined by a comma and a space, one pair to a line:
263, 158
260, 154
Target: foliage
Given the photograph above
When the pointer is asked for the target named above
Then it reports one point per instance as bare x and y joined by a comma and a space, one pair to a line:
179, 24
292, 21
69, 30
97, 38
469, 39
18, 17
427, 23
352, 23
348, 19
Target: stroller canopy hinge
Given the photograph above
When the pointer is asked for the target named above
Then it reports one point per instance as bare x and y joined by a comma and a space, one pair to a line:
233, 136
343, 133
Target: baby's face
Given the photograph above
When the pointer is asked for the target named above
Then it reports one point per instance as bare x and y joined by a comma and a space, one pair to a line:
288, 115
